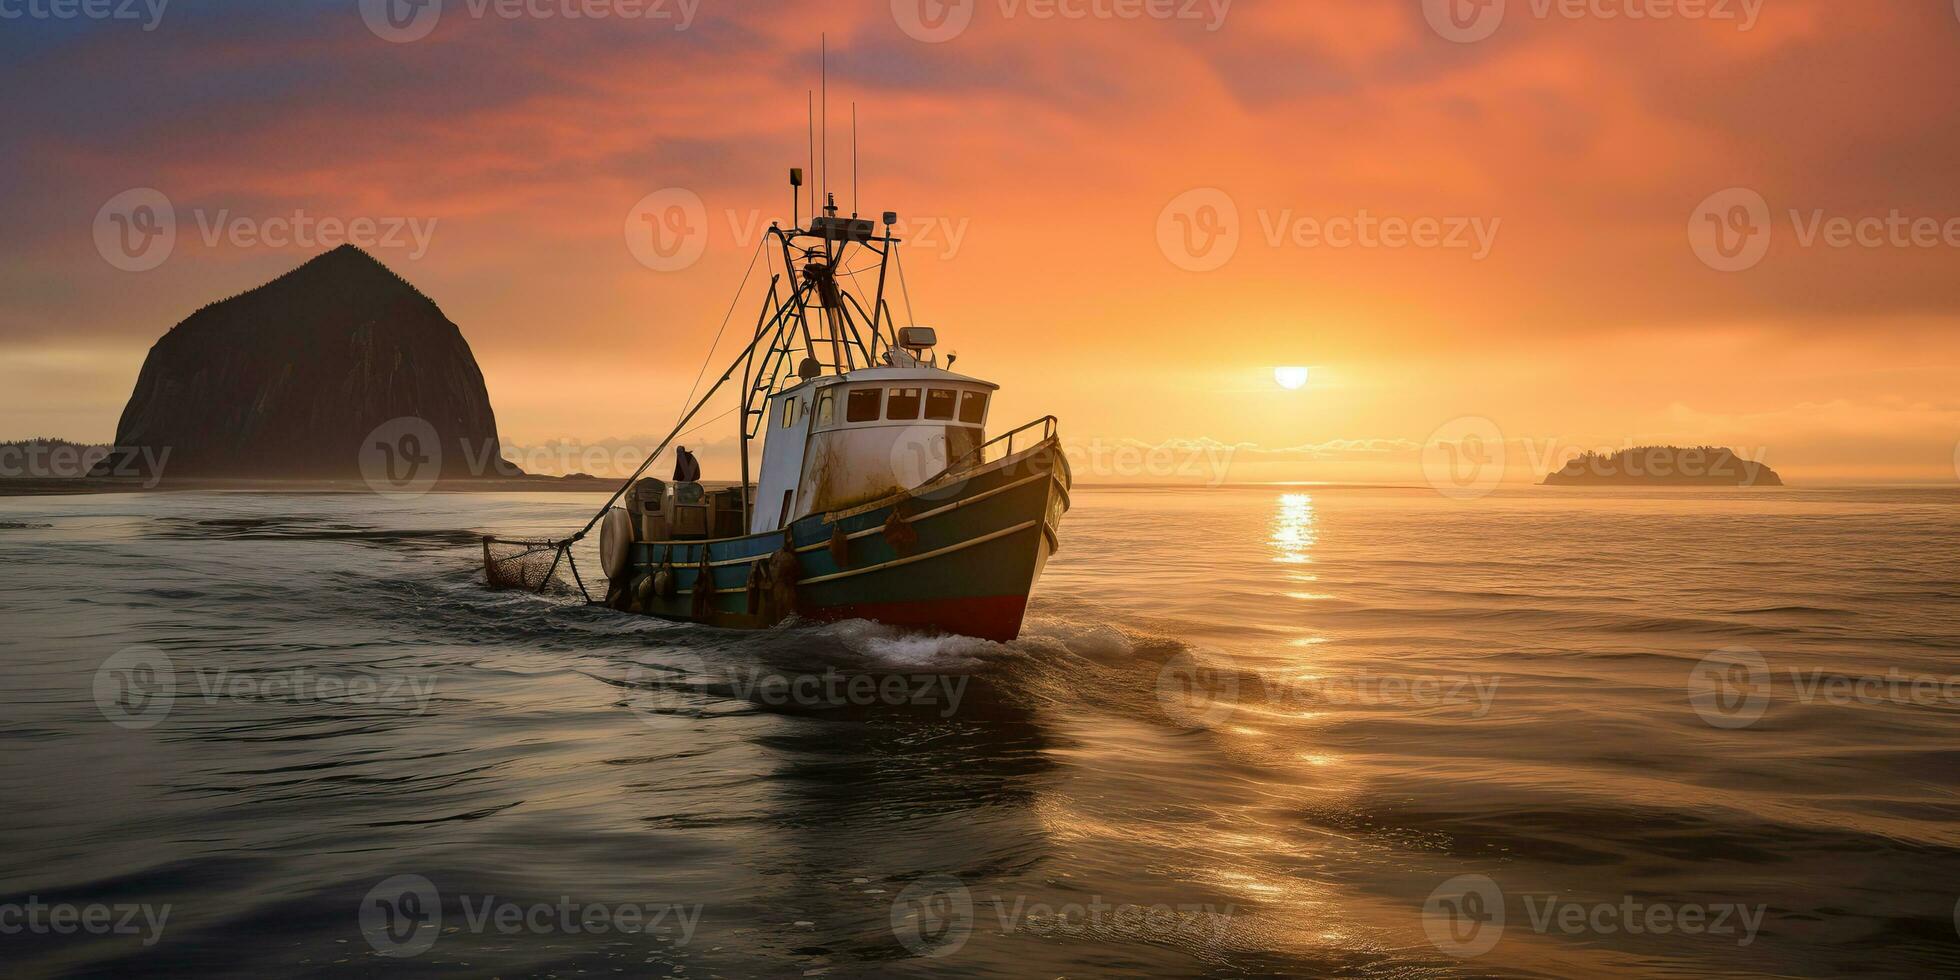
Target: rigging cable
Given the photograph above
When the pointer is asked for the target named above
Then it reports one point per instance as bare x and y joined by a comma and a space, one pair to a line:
698, 375
898, 258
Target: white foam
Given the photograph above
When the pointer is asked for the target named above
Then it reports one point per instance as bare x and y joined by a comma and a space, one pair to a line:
893, 647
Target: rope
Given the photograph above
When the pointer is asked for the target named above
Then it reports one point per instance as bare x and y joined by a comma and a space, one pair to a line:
707, 423
730, 315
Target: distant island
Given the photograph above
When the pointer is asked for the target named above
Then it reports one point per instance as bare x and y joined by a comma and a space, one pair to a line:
1664, 466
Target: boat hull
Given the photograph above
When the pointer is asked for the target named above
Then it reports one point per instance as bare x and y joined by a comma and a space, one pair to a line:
972, 547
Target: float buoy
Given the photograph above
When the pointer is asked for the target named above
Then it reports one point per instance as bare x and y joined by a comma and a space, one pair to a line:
615, 541
758, 584
784, 571
840, 547
704, 587
899, 532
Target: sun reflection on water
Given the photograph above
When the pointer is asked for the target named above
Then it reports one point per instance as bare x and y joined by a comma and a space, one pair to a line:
1293, 529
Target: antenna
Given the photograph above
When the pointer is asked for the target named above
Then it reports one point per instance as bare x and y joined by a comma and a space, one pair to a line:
811, 98
854, 159
823, 83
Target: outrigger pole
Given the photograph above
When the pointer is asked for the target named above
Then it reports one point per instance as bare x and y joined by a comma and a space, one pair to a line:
815, 282
741, 360
814, 279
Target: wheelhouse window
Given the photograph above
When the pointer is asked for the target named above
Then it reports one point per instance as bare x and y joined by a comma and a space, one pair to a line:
903, 404
789, 412
863, 404
940, 402
973, 407
827, 408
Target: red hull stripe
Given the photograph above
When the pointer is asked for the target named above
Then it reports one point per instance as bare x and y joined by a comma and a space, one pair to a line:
994, 617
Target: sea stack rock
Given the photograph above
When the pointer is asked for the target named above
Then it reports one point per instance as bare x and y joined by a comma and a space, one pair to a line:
294, 378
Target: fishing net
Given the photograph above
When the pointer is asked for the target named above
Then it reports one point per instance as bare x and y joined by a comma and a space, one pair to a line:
529, 565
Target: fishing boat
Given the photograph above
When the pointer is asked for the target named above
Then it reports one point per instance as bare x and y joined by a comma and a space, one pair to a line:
879, 493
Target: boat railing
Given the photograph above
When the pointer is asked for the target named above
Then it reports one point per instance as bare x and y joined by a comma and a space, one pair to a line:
1002, 446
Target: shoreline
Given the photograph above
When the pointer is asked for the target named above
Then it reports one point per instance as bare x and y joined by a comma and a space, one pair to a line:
74, 486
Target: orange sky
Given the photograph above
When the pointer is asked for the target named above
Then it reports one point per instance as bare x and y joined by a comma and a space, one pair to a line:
1049, 149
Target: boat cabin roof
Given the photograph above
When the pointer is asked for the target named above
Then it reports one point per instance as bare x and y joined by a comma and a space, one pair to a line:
886, 375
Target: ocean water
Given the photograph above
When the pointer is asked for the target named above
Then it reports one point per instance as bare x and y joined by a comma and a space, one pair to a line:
1289, 731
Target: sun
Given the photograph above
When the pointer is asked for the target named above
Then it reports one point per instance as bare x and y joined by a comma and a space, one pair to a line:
1290, 378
